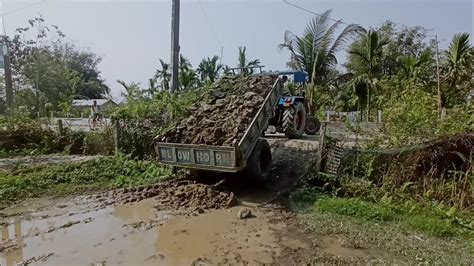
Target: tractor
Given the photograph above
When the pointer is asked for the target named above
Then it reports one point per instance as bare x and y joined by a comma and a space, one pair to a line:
291, 115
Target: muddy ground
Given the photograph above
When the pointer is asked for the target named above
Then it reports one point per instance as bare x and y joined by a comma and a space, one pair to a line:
187, 222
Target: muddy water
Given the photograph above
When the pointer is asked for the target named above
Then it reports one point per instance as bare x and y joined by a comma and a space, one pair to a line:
78, 232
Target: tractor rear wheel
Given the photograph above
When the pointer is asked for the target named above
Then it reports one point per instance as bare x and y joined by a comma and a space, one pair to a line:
259, 163
294, 121
312, 125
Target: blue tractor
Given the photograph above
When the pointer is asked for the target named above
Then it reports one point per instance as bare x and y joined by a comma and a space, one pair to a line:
292, 115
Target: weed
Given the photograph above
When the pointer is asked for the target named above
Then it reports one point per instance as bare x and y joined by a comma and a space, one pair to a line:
101, 173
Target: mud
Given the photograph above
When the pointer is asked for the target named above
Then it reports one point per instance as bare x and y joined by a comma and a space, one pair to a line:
224, 113
184, 195
139, 234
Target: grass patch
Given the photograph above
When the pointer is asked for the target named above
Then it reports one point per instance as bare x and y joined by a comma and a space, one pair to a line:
63, 179
432, 221
357, 208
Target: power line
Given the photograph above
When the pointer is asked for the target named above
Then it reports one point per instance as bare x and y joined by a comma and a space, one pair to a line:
206, 18
312, 12
24, 7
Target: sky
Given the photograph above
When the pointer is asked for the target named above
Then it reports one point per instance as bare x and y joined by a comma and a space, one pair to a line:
131, 35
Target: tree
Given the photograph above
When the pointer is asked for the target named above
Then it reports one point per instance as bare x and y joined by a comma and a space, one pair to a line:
187, 76
244, 64
163, 75
315, 50
416, 68
50, 69
368, 54
458, 66
209, 69
132, 90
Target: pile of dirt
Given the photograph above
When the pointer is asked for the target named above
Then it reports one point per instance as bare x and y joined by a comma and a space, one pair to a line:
224, 113
173, 195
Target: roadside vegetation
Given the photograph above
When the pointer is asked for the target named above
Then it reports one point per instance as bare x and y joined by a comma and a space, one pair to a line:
71, 178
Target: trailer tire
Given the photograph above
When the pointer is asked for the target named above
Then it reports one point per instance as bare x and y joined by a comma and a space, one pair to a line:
294, 121
259, 164
312, 125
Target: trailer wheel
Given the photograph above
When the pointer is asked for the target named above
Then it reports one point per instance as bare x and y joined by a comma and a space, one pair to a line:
259, 163
294, 121
312, 125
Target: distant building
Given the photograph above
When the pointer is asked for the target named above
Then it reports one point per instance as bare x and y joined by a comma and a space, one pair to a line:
84, 106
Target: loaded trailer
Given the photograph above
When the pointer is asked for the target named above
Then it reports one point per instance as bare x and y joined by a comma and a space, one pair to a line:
251, 153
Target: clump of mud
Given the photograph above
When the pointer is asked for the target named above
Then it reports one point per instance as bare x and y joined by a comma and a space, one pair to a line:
224, 113
174, 195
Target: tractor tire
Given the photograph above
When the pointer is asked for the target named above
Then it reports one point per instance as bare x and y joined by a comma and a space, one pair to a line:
259, 163
294, 121
312, 125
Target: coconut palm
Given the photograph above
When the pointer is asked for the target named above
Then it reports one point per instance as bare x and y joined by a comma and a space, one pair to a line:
368, 53
187, 76
209, 69
416, 68
243, 62
163, 75
458, 67
132, 90
315, 50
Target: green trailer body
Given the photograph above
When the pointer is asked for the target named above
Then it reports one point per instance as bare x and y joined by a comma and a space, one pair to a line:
221, 158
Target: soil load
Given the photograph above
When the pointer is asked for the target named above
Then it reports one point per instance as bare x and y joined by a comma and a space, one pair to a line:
224, 113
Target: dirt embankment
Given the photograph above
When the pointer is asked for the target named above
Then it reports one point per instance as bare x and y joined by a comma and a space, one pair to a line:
225, 112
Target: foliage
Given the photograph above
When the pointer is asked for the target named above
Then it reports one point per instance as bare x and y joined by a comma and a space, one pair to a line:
315, 51
21, 135
458, 69
438, 222
49, 69
144, 119
411, 116
100, 173
244, 63
368, 54
209, 69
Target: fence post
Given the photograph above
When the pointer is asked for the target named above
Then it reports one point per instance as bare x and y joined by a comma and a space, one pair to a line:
379, 116
443, 113
116, 136
60, 127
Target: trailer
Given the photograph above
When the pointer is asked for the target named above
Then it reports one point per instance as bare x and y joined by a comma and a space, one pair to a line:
251, 153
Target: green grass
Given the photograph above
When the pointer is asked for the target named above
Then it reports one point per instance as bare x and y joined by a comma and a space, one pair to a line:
432, 221
64, 179
406, 232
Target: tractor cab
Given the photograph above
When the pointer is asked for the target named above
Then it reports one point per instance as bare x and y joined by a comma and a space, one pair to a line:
291, 115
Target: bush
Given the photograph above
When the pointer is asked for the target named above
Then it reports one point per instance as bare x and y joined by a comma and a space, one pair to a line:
143, 119
101, 173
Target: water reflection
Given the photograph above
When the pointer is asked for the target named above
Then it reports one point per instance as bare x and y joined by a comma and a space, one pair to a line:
10, 258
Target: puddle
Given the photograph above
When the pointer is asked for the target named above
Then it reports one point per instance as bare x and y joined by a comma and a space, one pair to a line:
138, 234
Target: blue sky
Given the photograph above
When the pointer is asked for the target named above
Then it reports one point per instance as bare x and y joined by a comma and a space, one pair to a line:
132, 35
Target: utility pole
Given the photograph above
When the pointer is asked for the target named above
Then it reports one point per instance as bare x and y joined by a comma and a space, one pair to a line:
8, 72
437, 76
6, 61
174, 45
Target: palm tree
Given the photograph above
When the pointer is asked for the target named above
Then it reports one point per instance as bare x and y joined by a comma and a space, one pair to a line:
368, 54
209, 69
132, 90
315, 51
187, 76
244, 64
458, 69
164, 75
415, 68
